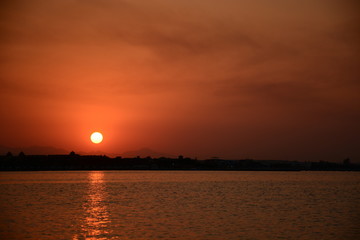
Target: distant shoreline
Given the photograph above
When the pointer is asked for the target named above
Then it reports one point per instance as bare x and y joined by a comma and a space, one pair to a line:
76, 162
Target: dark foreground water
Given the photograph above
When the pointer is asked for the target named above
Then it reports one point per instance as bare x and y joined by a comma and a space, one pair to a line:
179, 205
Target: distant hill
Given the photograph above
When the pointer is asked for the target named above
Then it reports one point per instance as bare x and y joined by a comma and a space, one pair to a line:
98, 153
48, 150
33, 150
145, 152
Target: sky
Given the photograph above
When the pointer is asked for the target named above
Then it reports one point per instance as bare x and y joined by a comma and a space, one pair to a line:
232, 79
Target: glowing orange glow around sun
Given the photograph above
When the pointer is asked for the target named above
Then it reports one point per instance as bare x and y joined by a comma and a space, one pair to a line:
96, 137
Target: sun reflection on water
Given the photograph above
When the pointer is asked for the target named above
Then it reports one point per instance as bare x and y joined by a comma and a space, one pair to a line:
96, 221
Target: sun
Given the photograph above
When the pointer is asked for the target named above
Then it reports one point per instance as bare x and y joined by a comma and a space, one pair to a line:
96, 137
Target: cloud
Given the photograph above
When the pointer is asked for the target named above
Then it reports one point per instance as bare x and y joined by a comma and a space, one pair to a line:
177, 65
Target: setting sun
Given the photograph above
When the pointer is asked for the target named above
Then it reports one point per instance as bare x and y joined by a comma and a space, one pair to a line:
96, 137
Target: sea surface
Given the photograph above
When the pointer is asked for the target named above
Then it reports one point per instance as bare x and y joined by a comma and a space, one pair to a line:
179, 205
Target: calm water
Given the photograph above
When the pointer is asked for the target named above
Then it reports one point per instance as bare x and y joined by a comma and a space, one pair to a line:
179, 205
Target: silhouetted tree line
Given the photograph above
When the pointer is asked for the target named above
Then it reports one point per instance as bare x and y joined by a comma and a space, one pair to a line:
73, 161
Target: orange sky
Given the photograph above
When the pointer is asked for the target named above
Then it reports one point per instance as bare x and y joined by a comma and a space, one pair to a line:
234, 79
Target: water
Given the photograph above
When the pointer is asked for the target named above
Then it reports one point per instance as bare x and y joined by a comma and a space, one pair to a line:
179, 205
